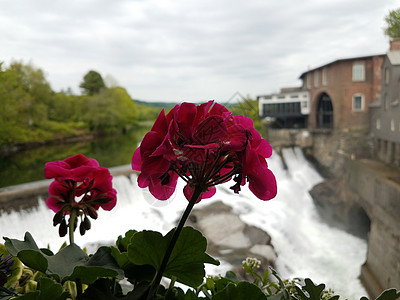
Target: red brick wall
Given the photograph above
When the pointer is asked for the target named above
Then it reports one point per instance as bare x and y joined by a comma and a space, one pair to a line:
341, 89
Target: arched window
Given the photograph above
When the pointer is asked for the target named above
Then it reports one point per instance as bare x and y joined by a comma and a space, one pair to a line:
324, 112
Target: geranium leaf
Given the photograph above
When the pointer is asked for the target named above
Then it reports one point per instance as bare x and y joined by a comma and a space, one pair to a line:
242, 290
50, 290
71, 262
14, 246
314, 291
104, 289
187, 260
389, 294
147, 248
101, 264
30, 296
132, 272
34, 259
63, 263
123, 242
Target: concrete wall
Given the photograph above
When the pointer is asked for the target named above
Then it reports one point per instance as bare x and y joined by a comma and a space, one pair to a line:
379, 187
374, 186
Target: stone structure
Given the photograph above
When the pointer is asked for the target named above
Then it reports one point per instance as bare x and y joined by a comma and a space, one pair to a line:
385, 112
360, 192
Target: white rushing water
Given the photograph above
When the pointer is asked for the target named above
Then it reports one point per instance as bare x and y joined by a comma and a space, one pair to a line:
306, 246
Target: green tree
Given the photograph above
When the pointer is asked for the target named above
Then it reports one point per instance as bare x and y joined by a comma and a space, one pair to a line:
393, 24
249, 108
92, 83
110, 109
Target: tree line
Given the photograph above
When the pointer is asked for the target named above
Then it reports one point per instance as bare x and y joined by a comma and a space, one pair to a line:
31, 112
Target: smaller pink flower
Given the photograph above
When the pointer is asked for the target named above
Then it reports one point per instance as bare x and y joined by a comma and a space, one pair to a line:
80, 184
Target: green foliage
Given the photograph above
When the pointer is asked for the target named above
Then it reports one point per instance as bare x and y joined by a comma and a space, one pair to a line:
187, 260
92, 83
110, 109
70, 263
392, 30
72, 274
248, 108
31, 112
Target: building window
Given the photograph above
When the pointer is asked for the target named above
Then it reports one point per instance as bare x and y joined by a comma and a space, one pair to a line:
387, 75
325, 76
358, 71
378, 124
358, 102
386, 102
316, 78
308, 79
392, 125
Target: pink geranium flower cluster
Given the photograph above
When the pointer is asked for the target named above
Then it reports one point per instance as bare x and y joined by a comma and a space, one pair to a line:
80, 185
205, 145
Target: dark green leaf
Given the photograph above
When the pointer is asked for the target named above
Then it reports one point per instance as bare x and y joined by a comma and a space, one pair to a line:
121, 258
102, 289
101, 264
50, 290
314, 291
147, 248
222, 283
240, 291
46, 251
29, 296
34, 259
132, 272
390, 294
187, 260
123, 242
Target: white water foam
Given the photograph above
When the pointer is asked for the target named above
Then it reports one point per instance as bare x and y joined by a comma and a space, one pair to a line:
306, 246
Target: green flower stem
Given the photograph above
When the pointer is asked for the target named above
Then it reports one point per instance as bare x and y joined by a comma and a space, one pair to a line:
157, 279
71, 225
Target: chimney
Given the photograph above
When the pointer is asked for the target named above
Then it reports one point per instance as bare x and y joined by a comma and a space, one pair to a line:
395, 44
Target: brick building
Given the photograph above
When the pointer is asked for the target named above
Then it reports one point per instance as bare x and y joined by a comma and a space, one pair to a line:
341, 91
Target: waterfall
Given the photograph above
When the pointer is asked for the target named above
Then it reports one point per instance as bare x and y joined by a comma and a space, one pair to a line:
306, 246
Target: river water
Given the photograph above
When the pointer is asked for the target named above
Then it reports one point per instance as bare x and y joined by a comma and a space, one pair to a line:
109, 151
306, 246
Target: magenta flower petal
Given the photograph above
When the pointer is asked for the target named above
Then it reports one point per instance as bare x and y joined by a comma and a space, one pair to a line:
136, 160
54, 203
210, 130
261, 180
163, 190
188, 191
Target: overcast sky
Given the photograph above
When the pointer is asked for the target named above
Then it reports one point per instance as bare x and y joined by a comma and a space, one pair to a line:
188, 50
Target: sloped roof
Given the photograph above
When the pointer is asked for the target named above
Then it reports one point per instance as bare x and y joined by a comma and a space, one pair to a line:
339, 60
394, 57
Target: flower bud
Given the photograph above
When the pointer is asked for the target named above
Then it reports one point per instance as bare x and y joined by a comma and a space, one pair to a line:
63, 229
86, 223
58, 217
92, 212
82, 228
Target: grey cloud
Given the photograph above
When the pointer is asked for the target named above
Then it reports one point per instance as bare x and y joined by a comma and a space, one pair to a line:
165, 49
